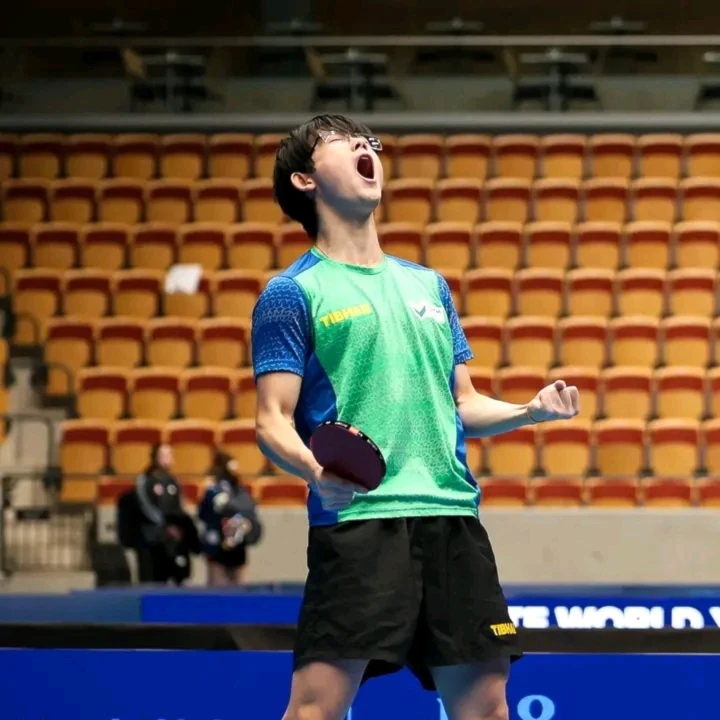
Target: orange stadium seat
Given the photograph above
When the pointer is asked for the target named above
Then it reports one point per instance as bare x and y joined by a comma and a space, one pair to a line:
668, 492
582, 341
206, 393
88, 156
8, 155
153, 246
468, 156
612, 492
507, 200
68, 348
14, 252
229, 155
482, 380
598, 245
202, 244
459, 200
223, 342
168, 201
606, 200
703, 154
235, 292
409, 200
634, 341
449, 245
557, 492
455, 280
121, 201
485, 337
132, 442
135, 156
251, 246
686, 341
680, 393
612, 156
563, 156
104, 246
539, 291
627, 393
504, 492
512, 454
556, 200
673, 444
282, 491
266, 147
711, 446
136, 293
154, 393
35, 299
388, 155
697, 245
620, 447
86, 293
708, 493
660, 155
55, 245
193, 443
640, 292
182, 156
25, 200
692, 292
489, 292
700, 197
654, 199
192, 306
237, 437
101, 392
519, 384
587, 382
648, 244
403, 240
119, 342
590, 292
83, 457
244, 393
292, 242
498, 245
217, 200
170, 342
40, 155
529, 341
547, 245
259, 204
420, 156
516, 156
72, 200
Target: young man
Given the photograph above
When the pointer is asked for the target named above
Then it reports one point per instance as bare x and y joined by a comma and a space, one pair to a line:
403, 575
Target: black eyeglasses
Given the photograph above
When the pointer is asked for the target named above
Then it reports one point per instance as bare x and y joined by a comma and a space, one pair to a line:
335, 136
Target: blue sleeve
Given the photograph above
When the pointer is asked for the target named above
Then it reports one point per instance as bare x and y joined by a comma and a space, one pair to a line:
281, 337
461, 349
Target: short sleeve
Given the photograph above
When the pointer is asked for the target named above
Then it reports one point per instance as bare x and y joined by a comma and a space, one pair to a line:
281, 335
461, 349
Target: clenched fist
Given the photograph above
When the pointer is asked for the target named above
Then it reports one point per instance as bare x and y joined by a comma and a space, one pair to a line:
557, 401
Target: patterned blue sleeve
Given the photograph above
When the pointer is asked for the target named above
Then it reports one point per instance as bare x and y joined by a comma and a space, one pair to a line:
281, 336
462, 350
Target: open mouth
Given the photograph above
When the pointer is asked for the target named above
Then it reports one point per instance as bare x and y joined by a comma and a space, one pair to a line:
366, 167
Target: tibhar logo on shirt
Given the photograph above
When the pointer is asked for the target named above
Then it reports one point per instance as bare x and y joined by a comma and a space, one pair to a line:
338, 316
426, 311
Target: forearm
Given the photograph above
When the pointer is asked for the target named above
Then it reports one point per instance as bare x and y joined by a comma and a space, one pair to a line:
279, 441
484, 416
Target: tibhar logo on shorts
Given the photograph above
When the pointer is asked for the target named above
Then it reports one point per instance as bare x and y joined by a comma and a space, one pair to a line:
503, 629
348, 313
426, 311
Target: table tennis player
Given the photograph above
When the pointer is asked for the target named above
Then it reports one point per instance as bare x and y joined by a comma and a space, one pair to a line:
403, 575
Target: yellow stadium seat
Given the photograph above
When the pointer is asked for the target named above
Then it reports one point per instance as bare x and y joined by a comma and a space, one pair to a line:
582, 341
154, 393
420, 156
620, 447
606, 199
516, 156
627, 393
590, 292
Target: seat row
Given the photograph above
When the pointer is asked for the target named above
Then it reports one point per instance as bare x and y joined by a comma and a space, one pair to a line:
404, 200
239, 156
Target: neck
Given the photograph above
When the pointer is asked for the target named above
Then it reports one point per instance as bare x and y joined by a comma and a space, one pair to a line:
348, 240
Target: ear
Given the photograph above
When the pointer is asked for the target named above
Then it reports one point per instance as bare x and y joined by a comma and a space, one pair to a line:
303, 182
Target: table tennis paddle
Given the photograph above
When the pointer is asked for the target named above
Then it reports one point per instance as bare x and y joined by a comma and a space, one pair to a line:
345, 451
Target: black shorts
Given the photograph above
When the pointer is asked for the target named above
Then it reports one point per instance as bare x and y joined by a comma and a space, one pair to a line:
420, 592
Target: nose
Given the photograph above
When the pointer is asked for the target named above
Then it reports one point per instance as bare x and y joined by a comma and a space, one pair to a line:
360, 143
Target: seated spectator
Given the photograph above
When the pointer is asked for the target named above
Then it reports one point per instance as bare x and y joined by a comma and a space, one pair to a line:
229, 515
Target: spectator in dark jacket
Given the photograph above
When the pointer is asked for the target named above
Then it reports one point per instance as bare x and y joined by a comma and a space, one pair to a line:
230, 521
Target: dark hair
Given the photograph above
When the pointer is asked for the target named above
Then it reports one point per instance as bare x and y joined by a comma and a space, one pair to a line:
295, 155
